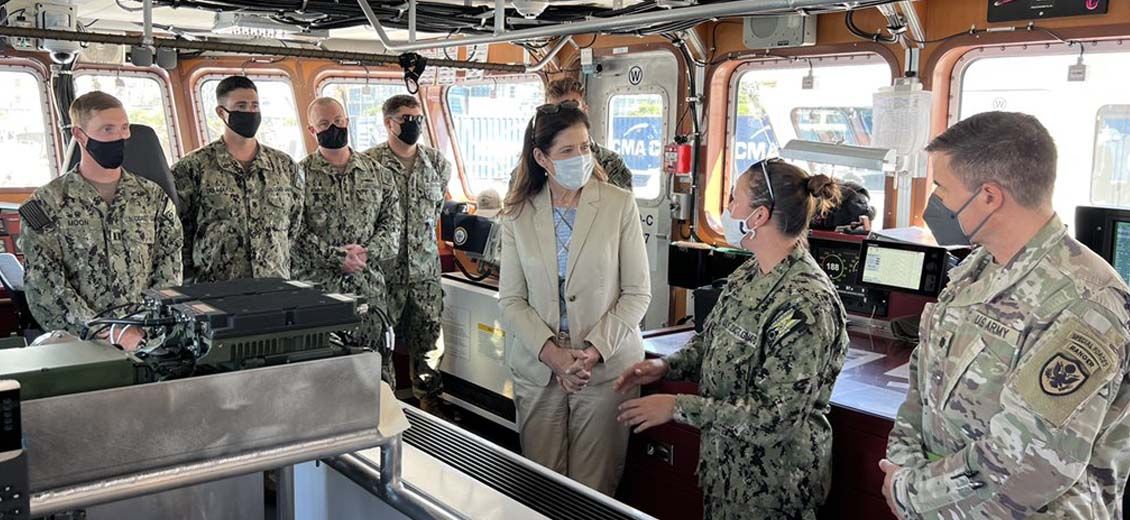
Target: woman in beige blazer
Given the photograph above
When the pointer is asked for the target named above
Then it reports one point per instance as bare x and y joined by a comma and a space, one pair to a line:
574, 287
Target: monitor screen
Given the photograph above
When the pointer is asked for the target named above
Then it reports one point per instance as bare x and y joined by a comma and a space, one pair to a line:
1107, 232
893, 267
1120, 250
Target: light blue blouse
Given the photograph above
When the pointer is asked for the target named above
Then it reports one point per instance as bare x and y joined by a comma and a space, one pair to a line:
563, 224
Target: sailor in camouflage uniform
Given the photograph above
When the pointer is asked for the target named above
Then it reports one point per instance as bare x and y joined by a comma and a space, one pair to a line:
240, 201
415, 298
618, 173
352, 223
765, 362
96, 237
569, 89
1018, 403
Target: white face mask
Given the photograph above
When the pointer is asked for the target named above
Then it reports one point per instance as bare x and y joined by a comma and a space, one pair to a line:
574, 172
736, 230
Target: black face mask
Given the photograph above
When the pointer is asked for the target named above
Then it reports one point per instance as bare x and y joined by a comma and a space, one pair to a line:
409, 132
333, 138
108, 154
943, 223
243, 123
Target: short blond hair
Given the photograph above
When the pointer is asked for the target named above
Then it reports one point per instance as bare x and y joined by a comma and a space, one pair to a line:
85, 106
488, 199
563, 87
321, 102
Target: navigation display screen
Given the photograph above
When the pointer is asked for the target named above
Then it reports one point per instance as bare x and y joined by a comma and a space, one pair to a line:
893, 267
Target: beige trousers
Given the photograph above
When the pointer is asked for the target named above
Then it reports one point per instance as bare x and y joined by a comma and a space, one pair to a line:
575, 435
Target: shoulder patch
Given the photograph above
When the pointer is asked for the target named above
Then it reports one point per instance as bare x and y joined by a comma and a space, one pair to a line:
786, 322
1073, 367
35, 215
1062, 375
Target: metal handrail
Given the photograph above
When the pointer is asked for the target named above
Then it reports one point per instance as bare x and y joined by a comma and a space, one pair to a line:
385, 482
150, 482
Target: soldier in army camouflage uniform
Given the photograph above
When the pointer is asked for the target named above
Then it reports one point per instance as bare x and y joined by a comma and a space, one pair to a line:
569, 89
1019, 400
96, 237
352, 225
415, 299
765, 361
240, 201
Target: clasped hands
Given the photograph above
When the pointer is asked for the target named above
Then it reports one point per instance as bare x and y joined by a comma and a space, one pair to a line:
356, 258
571, 367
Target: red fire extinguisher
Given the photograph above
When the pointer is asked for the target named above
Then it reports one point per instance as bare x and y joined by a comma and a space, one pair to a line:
677, 158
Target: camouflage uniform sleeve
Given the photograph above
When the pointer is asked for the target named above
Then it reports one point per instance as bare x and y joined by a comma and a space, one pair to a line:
311, 252
54, 303
618, 173
187, 179
782, 384
686, 364
298, 185
443, 169
1052, 408
905, 443
384, 246
168, 270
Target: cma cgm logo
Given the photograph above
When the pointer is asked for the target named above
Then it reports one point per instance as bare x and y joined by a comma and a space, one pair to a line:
753, 151
638, 147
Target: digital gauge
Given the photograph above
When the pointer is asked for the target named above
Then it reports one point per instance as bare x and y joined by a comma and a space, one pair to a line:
840, 261
835, 266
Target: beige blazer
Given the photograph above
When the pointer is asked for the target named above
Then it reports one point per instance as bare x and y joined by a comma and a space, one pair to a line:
607, 288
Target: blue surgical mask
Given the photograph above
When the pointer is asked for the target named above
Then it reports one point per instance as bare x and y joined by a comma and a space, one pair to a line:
574, 172
735, 229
